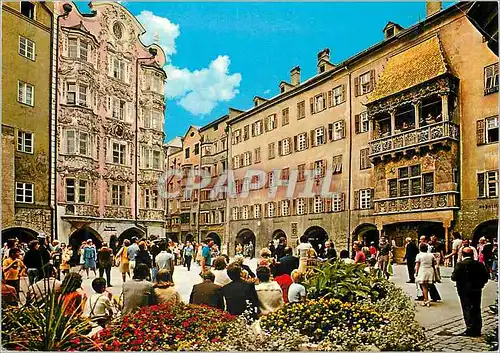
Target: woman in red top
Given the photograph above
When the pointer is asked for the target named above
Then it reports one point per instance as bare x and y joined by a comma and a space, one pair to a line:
72, 296
283, 279
360, 257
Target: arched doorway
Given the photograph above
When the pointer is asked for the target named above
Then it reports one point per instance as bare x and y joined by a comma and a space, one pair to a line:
78, 238
367, 233
316, 236
190, 237
279, 233
488, 229
24, 235
131, 233
174, 237
215, 237
244, 237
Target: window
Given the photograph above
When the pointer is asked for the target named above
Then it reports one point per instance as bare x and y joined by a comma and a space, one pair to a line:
361, 123
271, 122
77, 49
364, 160
492, 129
236, 162
285, 208
82, 191
301, 142
247, 159
365, 197
487, 183
257, 155
147, 199
322, 68
28, 9
491, 79
118, 195
285, 119
336, 130
117, 30
270, 179
284, 147
271, 211
300, 207
156, 160
186, 153
411, 182
337, 202
271, 151
237, 136
318, 204
235, 213
27, 48
25, 93
393, 187
365, 83
119, 153
119, 109
76, 94
256, 211
337, 164
246, 132
338, 95
257, 128
301, 172
83, 144
25, 142
77, 143
301, 110
319, 136
319, 103
319, 169
70, 190
197, 149
24, 192
119, 67
244, 212
70, 142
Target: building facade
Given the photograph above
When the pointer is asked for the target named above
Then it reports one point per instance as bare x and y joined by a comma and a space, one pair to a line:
404, 135
27, 29
110, 117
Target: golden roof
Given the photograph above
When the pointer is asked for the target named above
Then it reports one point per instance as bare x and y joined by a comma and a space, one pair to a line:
409, 68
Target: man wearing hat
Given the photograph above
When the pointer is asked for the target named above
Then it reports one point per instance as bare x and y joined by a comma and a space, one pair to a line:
44, 271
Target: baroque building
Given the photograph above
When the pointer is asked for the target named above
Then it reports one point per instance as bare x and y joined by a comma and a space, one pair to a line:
404, 136
27, 194
110, 117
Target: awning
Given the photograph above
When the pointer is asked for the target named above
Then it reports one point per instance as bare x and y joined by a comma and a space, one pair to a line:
410, 68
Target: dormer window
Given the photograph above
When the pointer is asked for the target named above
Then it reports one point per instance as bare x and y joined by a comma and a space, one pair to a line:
391, 29
282, 89
28, 9
389, 32
322, 68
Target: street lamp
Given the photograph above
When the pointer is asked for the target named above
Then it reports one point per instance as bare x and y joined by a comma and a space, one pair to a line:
153, 52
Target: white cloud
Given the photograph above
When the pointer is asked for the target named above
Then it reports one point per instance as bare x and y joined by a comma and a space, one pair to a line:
159, 28
267, 91
197, 91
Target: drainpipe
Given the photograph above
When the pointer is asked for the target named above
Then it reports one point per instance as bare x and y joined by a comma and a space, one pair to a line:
153, 53
350, 164
53, 147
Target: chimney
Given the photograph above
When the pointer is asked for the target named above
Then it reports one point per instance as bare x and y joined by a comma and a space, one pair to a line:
324, 55
295, 76
432, 7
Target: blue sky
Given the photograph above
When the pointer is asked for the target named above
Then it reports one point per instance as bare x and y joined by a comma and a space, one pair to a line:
223, 54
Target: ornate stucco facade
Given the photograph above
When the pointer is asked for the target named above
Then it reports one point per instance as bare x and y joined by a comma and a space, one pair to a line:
26, 119
110, 116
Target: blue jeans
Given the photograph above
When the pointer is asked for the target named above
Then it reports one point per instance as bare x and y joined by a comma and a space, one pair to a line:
32, 275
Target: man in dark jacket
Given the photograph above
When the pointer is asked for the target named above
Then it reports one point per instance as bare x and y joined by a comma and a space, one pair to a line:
471, 276
289, 262
330, 252
239, 295
280, 249
44, 270
410, 256
207, 292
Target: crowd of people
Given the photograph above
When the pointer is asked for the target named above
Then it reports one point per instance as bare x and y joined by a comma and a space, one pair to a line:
147, 269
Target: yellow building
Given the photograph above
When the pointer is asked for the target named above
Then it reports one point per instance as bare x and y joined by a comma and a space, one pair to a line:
27, 28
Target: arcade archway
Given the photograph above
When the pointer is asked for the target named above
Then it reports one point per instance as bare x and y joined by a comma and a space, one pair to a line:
79, 237
367, 233
131, 233
279, 233
244, 237
488, 229
316, 236
215, 237
190, 237
24, 235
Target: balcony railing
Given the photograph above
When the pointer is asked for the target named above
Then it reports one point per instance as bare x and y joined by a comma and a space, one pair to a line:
417, 203
212, 204
186, 205
414, 138
82, 210
151, 214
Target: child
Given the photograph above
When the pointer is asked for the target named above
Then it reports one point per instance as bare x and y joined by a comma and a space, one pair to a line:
100, 303
296, 292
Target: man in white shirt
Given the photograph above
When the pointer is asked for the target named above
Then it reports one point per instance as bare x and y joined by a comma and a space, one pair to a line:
41, 289
165, 260
466, 244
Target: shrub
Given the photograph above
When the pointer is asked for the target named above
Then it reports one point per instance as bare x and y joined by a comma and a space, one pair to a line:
346, 282
165, 327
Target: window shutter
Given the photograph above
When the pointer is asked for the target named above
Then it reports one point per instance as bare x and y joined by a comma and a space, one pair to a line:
290, 144
293, 210
372, 197
372, 80
328, 204
311, 105
280, 144
343, 128
356, 123
253, 130
266, 125
330, 132
127, 72
323, 169
311, 137
275, 119
324, 100
342, 201
481, 192
250, 156
356, 86
241, 159
311, 166
232, 138
330, 99
356, 199
306, 140
295, 143
252, 212
480, 132
110, 65
343, 93
311, 204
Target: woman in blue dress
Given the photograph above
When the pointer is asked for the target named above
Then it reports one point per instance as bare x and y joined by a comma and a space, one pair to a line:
90, 256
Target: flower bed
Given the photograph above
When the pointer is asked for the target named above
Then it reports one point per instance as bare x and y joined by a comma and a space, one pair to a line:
164, 328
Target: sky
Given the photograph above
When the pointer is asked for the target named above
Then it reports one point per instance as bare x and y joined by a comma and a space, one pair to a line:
222, 55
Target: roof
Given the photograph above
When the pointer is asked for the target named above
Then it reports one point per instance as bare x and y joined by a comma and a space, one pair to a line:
175, 142
410, 68
390, 23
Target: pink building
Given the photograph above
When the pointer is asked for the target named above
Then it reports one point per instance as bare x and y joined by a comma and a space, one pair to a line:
110, 116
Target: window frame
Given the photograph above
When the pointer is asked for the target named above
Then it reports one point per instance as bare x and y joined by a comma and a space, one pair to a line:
121, 194
26, 47
21, 141
24, 189
493, 78
21, 85
122, 160
365, 200
302, 143
487, 128
363, 118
